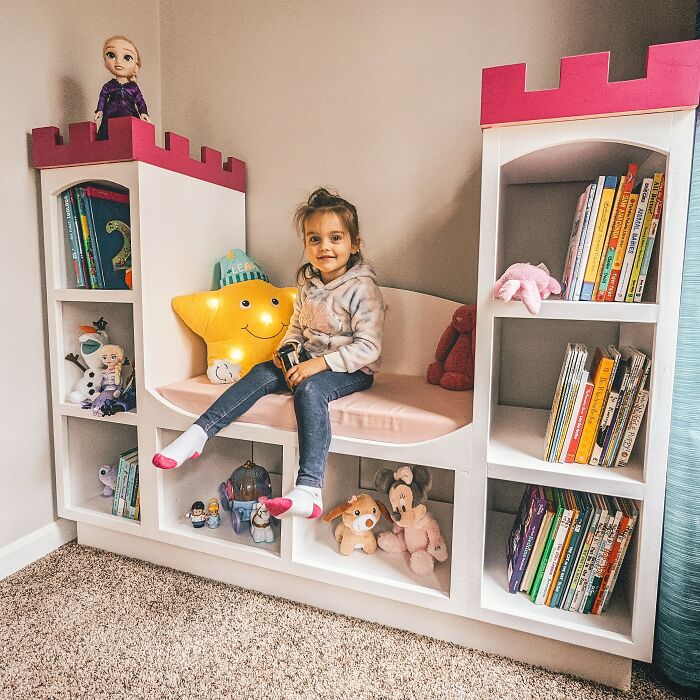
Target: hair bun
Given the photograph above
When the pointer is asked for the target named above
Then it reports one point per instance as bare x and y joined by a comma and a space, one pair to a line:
323, 198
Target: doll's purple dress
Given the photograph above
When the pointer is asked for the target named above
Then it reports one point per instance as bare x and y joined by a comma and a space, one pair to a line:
119, 100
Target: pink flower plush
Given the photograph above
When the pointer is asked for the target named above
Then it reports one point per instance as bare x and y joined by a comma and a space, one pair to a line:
528, 283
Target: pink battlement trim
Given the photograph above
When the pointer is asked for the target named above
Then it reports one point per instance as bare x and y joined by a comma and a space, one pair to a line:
672, 82
133, 139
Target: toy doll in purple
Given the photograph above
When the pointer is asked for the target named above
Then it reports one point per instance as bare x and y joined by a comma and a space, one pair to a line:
121, 96
338, 320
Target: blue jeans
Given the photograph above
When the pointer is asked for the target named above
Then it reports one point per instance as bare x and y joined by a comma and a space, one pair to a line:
311, 399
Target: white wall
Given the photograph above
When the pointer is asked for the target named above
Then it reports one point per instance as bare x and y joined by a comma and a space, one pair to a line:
379, 98
52, 75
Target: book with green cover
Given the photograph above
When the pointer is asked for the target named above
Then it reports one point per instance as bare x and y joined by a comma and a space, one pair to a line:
552, 494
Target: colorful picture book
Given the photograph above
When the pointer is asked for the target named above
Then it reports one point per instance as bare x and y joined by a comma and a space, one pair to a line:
612, 238
566, 548
597, 412
97, 224
126, 502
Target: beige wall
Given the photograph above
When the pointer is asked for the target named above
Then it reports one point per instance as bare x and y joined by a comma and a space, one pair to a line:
380, 99
52, 74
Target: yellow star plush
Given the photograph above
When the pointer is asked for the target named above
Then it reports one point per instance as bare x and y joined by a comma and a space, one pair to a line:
242, 323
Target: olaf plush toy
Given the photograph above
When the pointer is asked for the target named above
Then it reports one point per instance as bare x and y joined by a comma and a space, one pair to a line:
91, 340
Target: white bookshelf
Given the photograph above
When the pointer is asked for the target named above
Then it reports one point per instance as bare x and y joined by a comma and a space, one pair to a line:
531, 177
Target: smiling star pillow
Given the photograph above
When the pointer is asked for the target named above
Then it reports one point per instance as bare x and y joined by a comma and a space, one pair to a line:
242, 323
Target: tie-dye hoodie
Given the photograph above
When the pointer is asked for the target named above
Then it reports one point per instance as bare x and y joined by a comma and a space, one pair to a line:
342, 320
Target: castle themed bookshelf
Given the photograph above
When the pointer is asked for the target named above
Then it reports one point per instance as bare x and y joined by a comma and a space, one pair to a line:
186, 213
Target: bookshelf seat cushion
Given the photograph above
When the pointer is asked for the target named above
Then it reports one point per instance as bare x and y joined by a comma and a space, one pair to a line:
397, 409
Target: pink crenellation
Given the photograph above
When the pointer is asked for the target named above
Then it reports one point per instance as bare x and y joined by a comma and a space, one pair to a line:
133, 139
672, 82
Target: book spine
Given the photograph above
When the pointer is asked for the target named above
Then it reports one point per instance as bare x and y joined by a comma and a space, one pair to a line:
532, 527
572, 421
605, 423
587, 236
568, 401
137, 508
633, 241
578, 572
590, 428
602, 557
129, 492
579, 597
132, 502
556, 402
611, 289
555, 553
537, 548
118, 486
643, 237
87, 244
612, 556
544, 559
653, 232
633, 424
580, 422
570, 547
72, 231
599, 235
573, 244
87, 206
619, 561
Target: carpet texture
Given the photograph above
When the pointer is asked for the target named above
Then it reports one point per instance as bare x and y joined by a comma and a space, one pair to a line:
81, 623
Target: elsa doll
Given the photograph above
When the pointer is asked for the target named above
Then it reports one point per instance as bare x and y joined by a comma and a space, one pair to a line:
110, 387
120, 97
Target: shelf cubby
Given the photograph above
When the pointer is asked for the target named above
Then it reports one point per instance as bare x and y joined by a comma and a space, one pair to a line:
315, 544
198, 480
87, 446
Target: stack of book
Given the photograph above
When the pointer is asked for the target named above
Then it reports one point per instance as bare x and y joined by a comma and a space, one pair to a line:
566, 547
127, 493
97, 224
596, 414
612, 238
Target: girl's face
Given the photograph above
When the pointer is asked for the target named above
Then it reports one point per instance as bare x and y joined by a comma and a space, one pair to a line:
328, 245
120, 59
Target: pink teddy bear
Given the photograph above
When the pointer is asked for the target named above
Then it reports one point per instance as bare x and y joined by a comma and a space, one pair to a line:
528, 283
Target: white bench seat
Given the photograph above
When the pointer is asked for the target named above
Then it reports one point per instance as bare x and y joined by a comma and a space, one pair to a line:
397, 409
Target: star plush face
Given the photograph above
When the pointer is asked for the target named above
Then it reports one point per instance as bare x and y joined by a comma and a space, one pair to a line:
242, 323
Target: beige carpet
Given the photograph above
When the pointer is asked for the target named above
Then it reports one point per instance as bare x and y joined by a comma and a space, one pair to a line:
81, 623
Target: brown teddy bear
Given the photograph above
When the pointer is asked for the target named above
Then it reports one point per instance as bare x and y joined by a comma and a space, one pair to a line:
360, 514
454, 358
415, 529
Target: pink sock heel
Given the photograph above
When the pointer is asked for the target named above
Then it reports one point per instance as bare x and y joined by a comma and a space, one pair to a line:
163, 462
277, 506
316, 512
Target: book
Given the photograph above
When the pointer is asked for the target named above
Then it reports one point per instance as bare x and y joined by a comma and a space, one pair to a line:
117, 486
574, 288
109, 219
612, 526
611, 399
619, 559
132, 498
576, 408
643, 236
615, 230
539, 544
90, 260
524, 533
586, 507
86, 207
579, 420
553, 495
632, 429
575, 237
621, 246
569, 551
601, 369
587, 236
129, 494
553, 558
598, 239
564, 376
568, 400
119, 498
71, 227
579, 598
633, 240
646, 260
587, 538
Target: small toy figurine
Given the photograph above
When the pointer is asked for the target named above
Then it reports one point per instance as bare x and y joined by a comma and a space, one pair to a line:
453, 367
213, 517
415, 529
197, 515
360, 514
110, 387
260, 522
242, 490
121, 96
529, 283
91, 339
108, 476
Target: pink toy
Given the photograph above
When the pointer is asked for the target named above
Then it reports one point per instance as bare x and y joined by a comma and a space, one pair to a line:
415, 529
528, 283
671, 82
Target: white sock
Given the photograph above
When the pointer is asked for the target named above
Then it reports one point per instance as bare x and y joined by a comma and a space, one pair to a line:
189, 444
301, 501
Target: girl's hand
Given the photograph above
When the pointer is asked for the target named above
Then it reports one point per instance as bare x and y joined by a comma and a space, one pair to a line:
276, 360
298, 373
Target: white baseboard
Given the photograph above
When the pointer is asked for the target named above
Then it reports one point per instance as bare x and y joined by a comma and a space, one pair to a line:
37, 544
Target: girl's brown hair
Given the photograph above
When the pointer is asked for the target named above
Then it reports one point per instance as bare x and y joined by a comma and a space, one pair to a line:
322, 201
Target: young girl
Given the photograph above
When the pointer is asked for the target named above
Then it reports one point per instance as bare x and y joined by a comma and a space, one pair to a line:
338, 319
121, 96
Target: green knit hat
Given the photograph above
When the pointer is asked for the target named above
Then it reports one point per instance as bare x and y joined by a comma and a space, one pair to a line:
237, 266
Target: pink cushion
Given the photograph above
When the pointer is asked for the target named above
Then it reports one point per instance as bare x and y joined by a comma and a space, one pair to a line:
398, 408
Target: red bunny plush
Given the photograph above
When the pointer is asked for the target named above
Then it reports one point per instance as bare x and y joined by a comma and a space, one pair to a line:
454, 358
